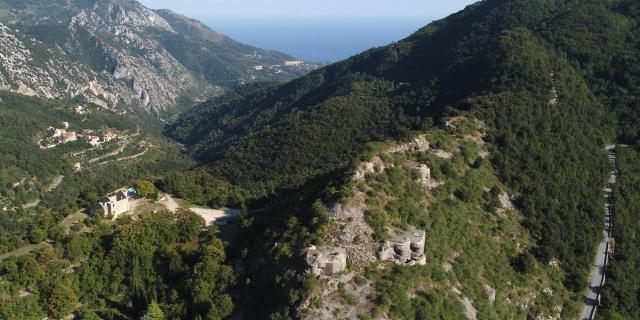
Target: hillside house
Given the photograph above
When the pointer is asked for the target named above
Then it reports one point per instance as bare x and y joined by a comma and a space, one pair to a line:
108, 136
93, 141
79, 110
69, 137
55, 132
114, 204
293, 63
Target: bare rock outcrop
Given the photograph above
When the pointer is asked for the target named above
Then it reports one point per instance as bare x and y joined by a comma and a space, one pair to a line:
420, 143
490, 293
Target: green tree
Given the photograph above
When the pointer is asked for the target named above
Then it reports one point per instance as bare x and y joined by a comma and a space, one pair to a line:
153, 312
37, 235
210, 283
188, 224
146, 189
9, 270
77, 246
62, 300
30, 272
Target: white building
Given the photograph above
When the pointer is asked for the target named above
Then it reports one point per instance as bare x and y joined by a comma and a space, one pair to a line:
93, 141
114, 204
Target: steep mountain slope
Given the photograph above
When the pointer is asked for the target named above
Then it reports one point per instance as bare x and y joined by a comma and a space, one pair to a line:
477, 260
219, 59
120, 53
551, 84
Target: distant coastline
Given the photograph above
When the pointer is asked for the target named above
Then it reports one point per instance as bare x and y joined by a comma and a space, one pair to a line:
319, 40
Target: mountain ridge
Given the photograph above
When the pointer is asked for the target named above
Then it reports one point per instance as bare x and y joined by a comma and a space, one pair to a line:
126, 54
540, 74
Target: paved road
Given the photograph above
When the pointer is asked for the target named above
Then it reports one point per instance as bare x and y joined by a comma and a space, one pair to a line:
22, 251
126, 158
51, 187
123, 145
598, 270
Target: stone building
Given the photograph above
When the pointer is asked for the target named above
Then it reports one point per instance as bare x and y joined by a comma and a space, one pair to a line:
404, 247
114, 204
69, 137
325, 261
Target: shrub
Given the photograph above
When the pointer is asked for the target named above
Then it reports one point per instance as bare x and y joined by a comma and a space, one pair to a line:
376, 219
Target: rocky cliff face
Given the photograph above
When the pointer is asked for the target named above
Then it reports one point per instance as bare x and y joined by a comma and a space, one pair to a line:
154, 77
118, 53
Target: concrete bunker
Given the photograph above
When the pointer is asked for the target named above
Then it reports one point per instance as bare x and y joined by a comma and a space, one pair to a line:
325, 261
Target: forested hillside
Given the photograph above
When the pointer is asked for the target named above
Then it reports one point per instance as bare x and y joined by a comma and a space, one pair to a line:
162, 258
553, 80
621, 295
28, 168
56, 260
23, 121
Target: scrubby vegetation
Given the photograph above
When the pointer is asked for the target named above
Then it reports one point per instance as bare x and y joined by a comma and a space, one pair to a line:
473, 240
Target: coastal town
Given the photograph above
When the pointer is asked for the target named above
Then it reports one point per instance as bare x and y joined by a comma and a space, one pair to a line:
278, 69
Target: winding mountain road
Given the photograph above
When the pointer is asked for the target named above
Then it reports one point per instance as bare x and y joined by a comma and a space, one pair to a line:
122, 144
138, 155
598, 271
51, 187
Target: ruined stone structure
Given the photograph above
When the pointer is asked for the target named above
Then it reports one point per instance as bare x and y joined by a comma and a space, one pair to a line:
325, 261
404, 247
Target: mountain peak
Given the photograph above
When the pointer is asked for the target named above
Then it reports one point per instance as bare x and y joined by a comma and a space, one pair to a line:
191, 27
129, 13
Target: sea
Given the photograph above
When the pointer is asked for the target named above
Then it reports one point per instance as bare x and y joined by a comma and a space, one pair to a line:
318, 39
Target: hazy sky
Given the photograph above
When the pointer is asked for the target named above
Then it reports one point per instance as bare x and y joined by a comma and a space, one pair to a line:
311, 9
